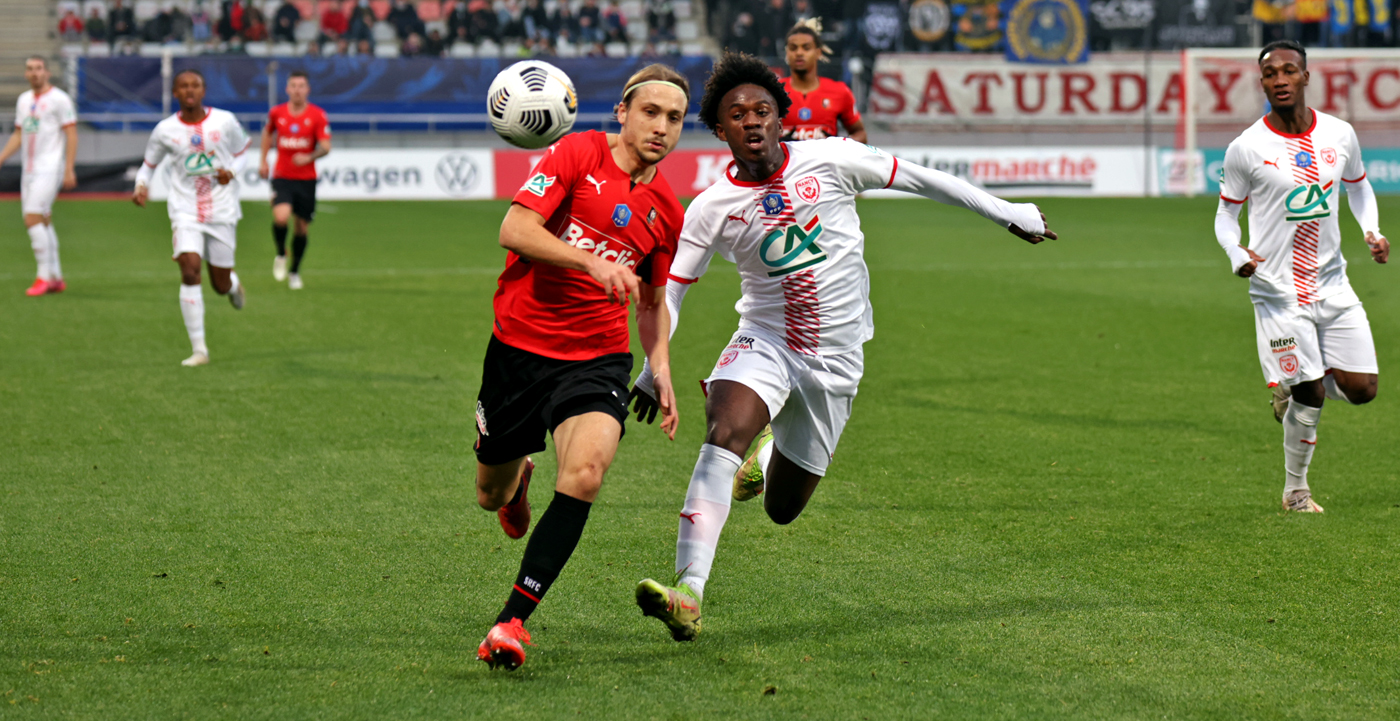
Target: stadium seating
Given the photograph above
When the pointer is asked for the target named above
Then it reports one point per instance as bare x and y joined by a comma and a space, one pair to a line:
434, 14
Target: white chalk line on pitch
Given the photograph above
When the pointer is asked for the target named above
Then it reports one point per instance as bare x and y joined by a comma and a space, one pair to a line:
495, 270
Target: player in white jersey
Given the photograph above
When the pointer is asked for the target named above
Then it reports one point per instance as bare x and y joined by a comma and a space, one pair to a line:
46, 128
785, 214
205, 148
1313, 335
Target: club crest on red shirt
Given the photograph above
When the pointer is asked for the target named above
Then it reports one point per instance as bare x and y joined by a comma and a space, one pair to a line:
809, 189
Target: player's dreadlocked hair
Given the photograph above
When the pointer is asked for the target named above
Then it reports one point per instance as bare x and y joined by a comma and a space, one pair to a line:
731, 71
1285, 45
813, 27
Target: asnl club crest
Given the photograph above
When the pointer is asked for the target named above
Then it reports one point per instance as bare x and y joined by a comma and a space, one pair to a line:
788, 250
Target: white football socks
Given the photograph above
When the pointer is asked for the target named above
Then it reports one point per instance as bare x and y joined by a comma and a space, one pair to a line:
706, 509
192, 307
55, 270
1329, 383
233, 285
765, 454
1299, 442
41, 244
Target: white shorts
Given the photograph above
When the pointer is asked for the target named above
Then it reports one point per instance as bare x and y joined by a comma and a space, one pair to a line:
809, 397
214, 242
1301, 343
37, 192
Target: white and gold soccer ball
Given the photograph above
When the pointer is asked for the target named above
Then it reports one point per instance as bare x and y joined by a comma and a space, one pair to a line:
532, 104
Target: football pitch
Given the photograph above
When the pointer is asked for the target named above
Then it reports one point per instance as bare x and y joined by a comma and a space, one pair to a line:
1058, 496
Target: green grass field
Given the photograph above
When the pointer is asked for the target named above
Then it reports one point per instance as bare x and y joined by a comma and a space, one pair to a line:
1057, 498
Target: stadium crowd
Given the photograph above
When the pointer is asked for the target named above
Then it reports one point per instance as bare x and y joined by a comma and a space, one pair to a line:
658, 27
384, 28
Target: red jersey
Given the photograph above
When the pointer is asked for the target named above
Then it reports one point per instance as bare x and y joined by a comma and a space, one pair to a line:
814, 115
297, 134
589, 203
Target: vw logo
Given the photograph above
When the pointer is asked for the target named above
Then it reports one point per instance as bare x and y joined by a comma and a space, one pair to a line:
456, 174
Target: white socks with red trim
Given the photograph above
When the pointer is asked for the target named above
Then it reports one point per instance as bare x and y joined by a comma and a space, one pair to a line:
42, 246
1299, 441
706, 509
192, 307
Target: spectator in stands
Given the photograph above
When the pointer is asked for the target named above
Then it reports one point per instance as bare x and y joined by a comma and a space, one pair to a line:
511, 21
180, 24
590, 24
96, 26
743, 35
70, 26
615, 23
772, 25
434, 46
231, 20
201, 26
536, 22
121, 24
802, 10
158, 28
342, 46
334, 23
564, 24
364, 46
412, 46
254, 26
485, 24
284, 23
661, 23
405, 20
362, 22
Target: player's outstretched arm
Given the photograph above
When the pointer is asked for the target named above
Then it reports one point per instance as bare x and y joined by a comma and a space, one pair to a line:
523, 233
644, 394
654, 326
1024, 220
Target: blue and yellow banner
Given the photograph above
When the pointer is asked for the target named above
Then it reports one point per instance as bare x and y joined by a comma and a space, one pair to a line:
1047, 31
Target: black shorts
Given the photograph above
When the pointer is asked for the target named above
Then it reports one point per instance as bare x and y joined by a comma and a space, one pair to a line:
524, 395
300, 193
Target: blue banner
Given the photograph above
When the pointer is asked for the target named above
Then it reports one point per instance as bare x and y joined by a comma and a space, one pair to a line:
357, 84
1047, 31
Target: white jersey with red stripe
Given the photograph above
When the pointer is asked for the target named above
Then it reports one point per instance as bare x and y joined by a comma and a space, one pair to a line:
41, 120
797, 242
1293, 185
196, 152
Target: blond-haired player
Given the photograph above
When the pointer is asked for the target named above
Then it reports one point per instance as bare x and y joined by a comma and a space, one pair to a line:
46, 128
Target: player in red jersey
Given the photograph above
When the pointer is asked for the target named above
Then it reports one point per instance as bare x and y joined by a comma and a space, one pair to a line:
558, 358
817, 102
303, 134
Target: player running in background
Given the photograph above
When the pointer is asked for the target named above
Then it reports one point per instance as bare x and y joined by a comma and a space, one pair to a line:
206, 149
1313, 336
785, 214
46, 127
558, 360
817, 102
303, 134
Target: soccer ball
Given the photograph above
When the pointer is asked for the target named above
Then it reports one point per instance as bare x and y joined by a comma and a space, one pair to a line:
532, 104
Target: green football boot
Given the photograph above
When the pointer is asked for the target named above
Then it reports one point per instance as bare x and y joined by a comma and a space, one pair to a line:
748, 481
678, 608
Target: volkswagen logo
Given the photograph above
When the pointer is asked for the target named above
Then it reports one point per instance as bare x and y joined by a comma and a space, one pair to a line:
456, 174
